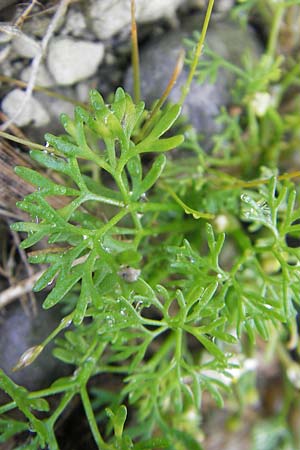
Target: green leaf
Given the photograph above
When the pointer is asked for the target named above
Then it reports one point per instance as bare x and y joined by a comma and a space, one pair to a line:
20, 396
154, 444
151, 177
36, 237
87, 292
47, 277
261, 328
135, 170
165, 122
186, 439
29, 227
96, 100
196, 214
210, 346
39, 404
9, 427
66, 148
117, 132
53, 162
128, 257
64, 355
159, 145
211, 385
118, 419
132, 115
64, 284
68, 124
119, 104
43, 183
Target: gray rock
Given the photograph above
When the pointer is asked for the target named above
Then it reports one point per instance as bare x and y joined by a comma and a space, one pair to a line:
33, 112
220, 6
5, 34
156, 9
4, 53
224, 5
204, 102
110, 17
43, 76
70, 61
74, 24
26, 46
19, 332
6, 3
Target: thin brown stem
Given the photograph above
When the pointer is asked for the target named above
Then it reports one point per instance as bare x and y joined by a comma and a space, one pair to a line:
19, 22
135, 55
42, 89
175, 74
255, 183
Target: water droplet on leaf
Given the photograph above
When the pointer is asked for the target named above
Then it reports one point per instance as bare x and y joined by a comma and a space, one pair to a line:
110, 320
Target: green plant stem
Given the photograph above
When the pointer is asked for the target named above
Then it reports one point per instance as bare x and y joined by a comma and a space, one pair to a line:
163, 350
25, 142
134, 207
178, 351
291, 77
64, 323
186, 208
91, 349
59, 410
187, 85
102, 199
153, 206
265, 11
275, 28
92, 420
8, 407
70, 385
126, 197
112, 222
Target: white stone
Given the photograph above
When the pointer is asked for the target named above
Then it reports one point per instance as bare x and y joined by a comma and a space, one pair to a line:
150, 11
26, 46
33, 112
111, 17
74, 24
4, 53
70, 61
43, 77
82, 91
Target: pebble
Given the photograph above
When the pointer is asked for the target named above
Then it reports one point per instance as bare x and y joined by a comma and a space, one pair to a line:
33, 112
43, 77
25, 46
109, 18
70, 60
74, 25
